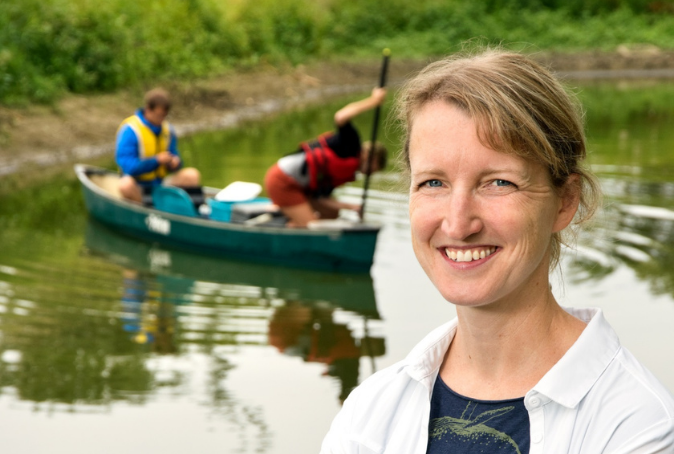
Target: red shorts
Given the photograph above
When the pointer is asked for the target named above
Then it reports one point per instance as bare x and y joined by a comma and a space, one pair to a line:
282, 189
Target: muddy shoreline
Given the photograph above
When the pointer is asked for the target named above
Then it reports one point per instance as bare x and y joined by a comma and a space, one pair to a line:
37, 140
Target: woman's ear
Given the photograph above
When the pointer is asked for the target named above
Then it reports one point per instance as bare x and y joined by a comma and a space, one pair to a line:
570, 199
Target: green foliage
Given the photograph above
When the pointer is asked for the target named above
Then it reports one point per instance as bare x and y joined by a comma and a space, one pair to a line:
281, 30
640, 102
50, 47
575, 7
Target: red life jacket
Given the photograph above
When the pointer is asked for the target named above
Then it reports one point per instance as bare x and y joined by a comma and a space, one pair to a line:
326, 169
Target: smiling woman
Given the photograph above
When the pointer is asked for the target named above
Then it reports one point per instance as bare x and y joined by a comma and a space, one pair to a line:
494, 149
482, 220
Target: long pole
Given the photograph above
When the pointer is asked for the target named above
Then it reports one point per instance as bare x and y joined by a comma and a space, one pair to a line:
382, 82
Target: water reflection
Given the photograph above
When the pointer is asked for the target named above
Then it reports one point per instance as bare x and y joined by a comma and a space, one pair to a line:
149, 308
59, 355
635, 229
311, 333
164, 305
98, 349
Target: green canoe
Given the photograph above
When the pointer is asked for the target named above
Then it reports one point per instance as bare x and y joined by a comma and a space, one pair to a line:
345, 248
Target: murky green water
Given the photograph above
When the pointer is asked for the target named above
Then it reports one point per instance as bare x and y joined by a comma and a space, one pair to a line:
108, 344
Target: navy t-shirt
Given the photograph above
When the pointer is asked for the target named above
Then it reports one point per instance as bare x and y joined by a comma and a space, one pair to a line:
460, 425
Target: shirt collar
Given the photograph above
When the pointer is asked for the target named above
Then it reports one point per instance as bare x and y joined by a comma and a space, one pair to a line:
569, 381
566, 383
425, 359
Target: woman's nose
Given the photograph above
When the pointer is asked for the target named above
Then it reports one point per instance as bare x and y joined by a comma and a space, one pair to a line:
461, 217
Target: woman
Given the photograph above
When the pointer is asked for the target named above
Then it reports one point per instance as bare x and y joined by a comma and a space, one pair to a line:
301, 183
494, 148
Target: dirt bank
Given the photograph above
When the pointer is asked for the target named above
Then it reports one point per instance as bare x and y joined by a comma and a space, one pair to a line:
82, 128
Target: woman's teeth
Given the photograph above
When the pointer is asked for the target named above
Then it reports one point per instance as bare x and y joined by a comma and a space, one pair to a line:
468, 255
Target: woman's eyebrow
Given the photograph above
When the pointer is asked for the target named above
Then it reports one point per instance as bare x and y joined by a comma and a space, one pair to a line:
429, 172
434, 171
522, 173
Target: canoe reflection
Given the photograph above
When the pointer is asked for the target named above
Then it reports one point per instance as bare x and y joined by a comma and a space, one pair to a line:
172, 298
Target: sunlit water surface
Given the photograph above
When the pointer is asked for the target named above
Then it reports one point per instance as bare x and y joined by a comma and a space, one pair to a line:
112, 345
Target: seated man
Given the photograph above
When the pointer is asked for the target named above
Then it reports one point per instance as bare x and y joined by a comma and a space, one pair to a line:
301, 183
146, 150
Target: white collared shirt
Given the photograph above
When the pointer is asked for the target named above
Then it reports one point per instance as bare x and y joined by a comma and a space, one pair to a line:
596, 399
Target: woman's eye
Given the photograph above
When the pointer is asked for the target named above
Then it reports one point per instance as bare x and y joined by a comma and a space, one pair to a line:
433, 183
502, 183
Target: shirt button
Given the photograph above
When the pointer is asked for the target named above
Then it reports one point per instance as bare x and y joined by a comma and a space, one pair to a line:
534, 402
537, 437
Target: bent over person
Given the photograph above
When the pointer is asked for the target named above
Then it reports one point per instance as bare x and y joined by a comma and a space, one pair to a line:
147, 150
301, 183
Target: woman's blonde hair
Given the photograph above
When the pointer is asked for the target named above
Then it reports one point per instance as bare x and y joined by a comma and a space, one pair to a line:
519, 107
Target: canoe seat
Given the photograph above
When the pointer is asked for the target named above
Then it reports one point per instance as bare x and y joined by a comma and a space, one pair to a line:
260, 214
109, 182
173, 200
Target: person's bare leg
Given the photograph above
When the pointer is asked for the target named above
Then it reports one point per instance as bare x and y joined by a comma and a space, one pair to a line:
299, 215
187, 178
130, 189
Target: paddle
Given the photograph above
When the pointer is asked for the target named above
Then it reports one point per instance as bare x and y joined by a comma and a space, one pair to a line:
382, 82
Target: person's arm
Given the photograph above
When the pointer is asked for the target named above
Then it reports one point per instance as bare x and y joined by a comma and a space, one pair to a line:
334, 204
127, 157
346, 113
176, 161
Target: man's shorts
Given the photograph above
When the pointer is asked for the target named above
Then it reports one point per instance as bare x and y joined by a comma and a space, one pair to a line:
282, 189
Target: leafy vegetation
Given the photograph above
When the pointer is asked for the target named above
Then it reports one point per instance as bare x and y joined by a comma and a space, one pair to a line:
49, 47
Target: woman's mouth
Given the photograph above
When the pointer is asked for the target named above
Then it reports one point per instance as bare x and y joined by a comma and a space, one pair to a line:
468, 255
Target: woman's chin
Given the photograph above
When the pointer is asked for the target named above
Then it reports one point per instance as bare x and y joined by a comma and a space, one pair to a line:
465, 298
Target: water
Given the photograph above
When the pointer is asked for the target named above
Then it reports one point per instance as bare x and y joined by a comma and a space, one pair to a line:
108, 344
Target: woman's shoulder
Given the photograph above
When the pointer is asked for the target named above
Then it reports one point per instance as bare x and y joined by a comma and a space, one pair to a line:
644, 390
621, 405
604, 375
628, 402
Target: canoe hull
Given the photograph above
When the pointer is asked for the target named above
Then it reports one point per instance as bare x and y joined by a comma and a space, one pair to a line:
338, 250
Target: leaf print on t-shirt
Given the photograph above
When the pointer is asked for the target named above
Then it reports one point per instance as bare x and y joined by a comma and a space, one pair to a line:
476, 432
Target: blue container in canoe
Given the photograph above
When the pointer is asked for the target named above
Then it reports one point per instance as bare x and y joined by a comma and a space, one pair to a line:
222, 211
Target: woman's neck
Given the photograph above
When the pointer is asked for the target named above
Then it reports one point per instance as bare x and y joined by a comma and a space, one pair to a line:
500, 351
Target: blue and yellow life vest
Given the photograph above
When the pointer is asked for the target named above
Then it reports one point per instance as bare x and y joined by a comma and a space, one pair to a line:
149, 144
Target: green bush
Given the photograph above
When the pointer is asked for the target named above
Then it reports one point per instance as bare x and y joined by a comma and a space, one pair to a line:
50, 47
282, 30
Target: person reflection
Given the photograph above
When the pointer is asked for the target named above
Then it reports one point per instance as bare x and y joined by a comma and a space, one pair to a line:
312, 334
149, 309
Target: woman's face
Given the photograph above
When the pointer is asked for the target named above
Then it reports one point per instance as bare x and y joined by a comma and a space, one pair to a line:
481, 220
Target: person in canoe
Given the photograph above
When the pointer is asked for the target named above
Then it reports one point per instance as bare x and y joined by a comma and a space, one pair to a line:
301, 183
147, 150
